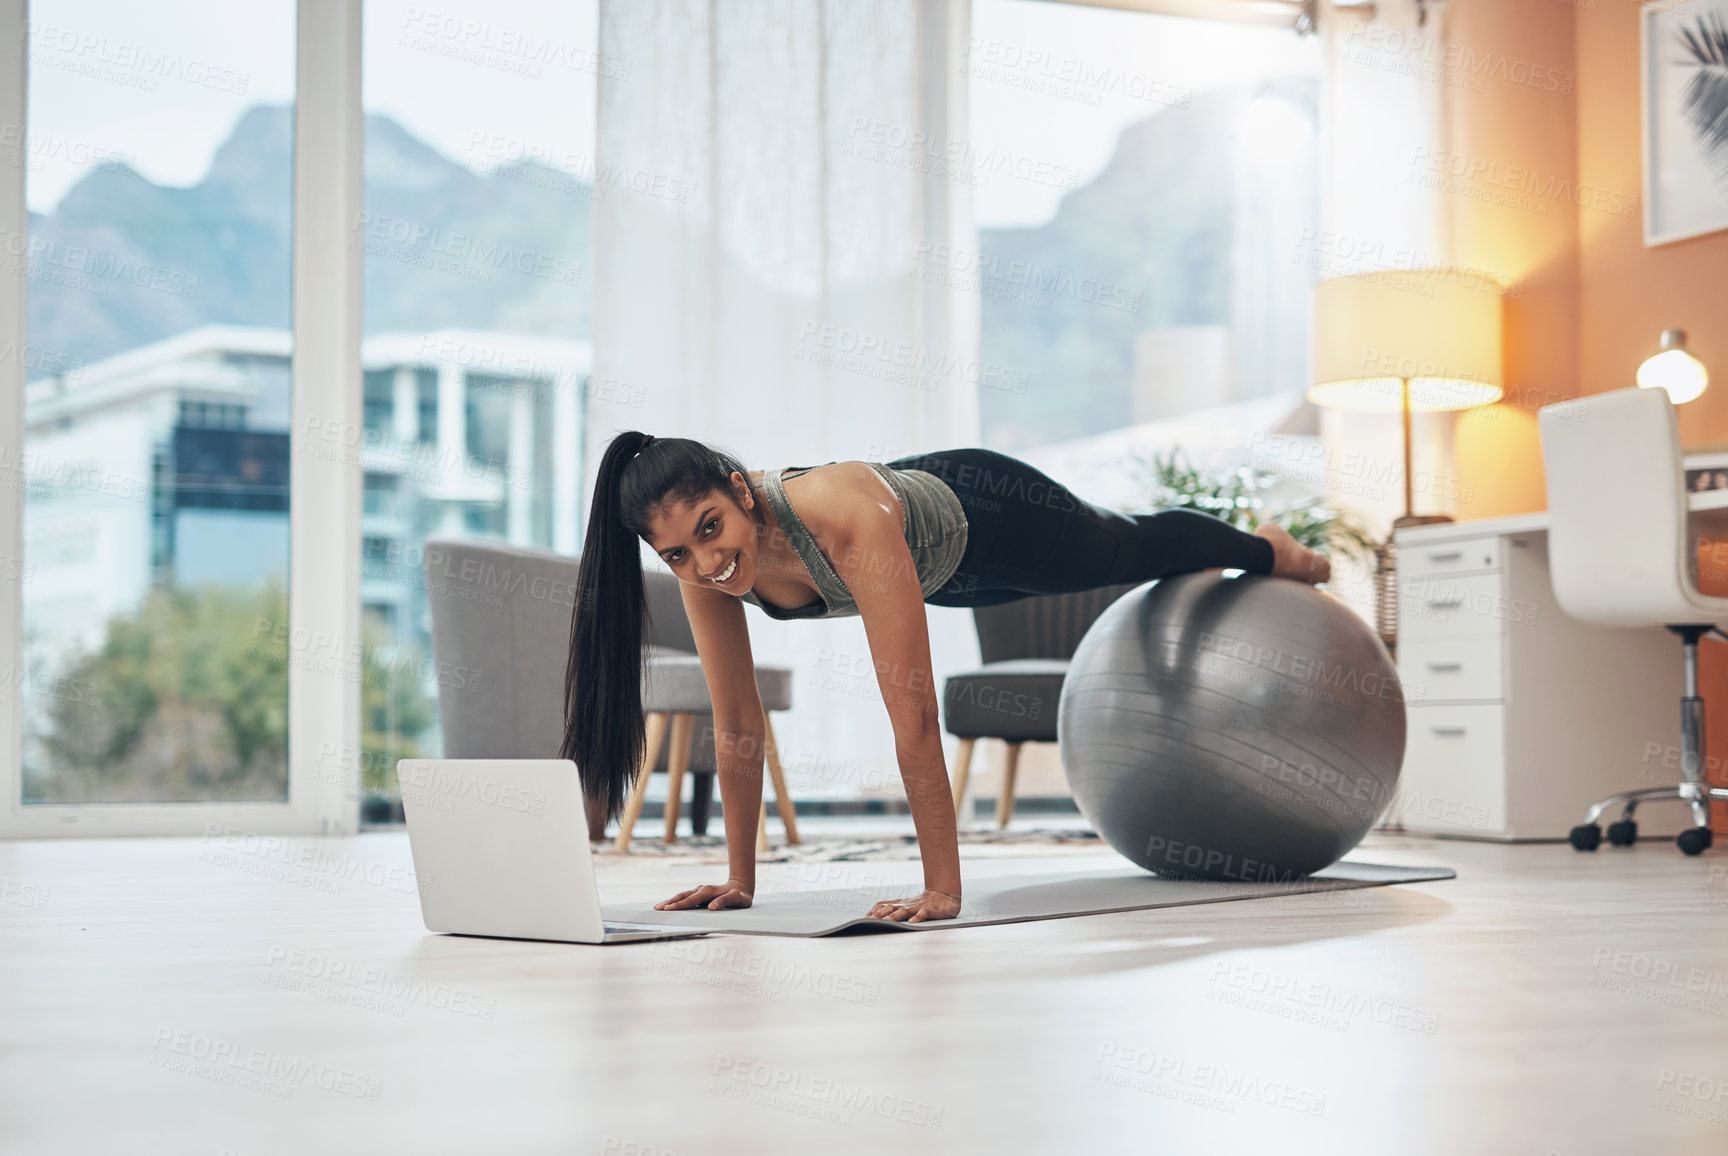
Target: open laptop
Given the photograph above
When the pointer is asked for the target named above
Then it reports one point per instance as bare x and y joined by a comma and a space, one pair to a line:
500, 848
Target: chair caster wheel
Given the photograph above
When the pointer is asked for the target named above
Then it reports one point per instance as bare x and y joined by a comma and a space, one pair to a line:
1586, 838
1694, 840
1624, 833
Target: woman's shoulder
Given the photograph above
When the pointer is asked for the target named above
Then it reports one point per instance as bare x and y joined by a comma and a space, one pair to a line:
834, 496
832, 478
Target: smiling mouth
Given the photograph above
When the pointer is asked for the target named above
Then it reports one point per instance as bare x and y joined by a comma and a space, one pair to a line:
727, 574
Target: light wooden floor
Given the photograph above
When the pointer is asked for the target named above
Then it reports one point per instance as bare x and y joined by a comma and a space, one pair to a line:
1491, 1014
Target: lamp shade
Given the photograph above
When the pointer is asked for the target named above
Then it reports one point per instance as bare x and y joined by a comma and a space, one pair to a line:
1439, 328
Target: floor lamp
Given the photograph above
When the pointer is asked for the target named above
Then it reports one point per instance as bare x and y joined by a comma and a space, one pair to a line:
1405, 342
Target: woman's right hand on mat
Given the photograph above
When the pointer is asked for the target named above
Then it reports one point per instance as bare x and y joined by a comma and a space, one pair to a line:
716, 898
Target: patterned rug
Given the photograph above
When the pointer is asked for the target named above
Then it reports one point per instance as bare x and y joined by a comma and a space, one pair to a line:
974, 844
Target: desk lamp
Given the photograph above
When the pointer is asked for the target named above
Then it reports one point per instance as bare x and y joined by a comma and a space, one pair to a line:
1674, 369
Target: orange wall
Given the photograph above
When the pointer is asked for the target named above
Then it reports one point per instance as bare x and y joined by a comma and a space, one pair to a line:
1504, 136
1630, 293
1593, 300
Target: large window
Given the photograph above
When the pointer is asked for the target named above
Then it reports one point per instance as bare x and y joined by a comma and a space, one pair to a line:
1146, 194
1143, 185
157, 419
480, 175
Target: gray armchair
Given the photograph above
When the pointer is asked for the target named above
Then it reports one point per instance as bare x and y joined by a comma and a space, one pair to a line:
1025, 647
501, 639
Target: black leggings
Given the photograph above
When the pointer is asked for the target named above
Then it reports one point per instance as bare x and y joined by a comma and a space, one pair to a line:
1028, 534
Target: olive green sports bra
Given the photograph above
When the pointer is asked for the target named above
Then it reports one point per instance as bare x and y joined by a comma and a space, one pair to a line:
934, 522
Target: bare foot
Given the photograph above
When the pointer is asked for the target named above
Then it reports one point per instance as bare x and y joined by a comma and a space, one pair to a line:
1291, 559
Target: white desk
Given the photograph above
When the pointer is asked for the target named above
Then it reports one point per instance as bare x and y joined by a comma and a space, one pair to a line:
1707, 512
1520, 716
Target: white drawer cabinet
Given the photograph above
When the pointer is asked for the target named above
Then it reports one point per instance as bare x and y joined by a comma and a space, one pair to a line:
1519, 716
1452, 606
1448, 669
1461, 746
1449, 557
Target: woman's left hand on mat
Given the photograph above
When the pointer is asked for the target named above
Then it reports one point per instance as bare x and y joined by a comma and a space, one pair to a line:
918, 908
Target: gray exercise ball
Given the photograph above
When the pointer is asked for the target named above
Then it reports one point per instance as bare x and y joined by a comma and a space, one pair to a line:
1232, 726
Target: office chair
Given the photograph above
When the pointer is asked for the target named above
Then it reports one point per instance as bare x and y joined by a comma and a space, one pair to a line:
1620, 555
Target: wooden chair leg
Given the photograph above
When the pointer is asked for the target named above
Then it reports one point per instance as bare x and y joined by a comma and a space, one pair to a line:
962, 771
782, 797
762, 825
676, 761
1005, 801
701, 801
650, 752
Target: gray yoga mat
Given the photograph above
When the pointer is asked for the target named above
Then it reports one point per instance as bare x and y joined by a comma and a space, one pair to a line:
1007, 899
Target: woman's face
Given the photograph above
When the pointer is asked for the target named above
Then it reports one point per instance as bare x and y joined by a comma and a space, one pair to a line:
711, 541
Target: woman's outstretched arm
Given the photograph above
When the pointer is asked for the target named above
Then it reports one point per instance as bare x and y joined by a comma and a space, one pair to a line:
723, 643
870, 554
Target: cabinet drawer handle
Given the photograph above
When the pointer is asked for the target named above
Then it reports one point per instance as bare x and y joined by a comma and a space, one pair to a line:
1444, 555
1447, 730
1446, 602
1445, 666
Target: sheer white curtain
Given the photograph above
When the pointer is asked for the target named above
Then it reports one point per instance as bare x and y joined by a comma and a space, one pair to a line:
1382, 99
768, 174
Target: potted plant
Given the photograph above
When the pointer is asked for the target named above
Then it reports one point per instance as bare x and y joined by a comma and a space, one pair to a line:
1238, 496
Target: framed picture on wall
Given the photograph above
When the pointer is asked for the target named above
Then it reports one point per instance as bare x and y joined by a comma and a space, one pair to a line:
1684, 50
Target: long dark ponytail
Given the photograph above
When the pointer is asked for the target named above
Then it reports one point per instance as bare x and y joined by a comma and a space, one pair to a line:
603, 718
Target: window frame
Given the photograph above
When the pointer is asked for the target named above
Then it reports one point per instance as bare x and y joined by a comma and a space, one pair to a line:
324, 492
